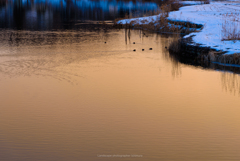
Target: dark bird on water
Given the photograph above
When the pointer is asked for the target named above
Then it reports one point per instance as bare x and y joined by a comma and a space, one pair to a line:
142, 49
133, 42
134, 49
150, 48
105, 42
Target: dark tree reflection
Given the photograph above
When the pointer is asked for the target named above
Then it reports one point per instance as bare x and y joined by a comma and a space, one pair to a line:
18, 14
64, 14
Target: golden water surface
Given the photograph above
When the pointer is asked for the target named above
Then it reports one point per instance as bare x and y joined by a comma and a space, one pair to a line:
69, 96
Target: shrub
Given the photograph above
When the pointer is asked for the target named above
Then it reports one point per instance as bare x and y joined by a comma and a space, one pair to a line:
230, 27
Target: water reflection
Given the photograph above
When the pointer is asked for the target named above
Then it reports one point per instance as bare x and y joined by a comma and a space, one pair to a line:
230, 75
65, 14
127, 36
175, 63
31, 53
122, 104
231, 82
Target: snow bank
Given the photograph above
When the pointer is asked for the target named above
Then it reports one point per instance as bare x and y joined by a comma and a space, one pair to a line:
140, 20
215, 17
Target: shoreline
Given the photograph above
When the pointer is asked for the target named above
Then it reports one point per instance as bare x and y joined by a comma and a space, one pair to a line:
207, 32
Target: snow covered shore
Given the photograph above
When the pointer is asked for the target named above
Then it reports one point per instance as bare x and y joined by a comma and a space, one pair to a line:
220, 21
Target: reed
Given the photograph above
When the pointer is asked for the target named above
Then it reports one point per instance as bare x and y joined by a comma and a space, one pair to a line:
229, 59
230, 27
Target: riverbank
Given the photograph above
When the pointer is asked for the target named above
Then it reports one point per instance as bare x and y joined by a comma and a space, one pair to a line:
218, 39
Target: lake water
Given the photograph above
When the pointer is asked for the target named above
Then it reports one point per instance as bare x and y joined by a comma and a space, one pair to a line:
68, 95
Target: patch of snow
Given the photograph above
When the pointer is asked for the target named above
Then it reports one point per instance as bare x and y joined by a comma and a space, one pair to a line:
190, 2
215, 17
140, 20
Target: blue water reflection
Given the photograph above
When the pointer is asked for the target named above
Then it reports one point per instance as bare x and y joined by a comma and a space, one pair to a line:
54, 14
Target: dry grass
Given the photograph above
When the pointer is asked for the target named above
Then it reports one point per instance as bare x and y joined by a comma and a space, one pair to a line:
218, 56
229, 59
174, 5
230, 27
165, 25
